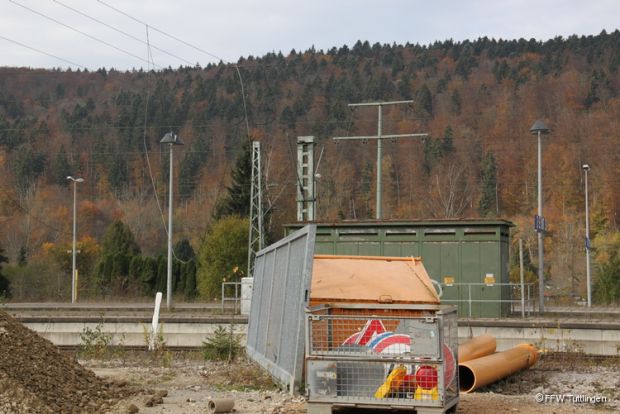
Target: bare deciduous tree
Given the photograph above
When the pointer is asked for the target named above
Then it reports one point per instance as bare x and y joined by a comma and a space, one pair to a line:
449, 191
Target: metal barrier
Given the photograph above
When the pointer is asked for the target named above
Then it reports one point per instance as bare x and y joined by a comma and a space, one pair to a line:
236, 299
522, 295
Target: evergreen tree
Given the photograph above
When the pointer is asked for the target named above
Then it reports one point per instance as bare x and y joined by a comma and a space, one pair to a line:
447, 145
28, 166
61, 168
425, 100
456, 102
118, 238
185, 269
117, 251
432, 153
487, 204
118, 174
190, 167
237, 200
4, 282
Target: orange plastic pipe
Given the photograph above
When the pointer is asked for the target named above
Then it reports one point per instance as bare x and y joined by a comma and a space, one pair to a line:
483, 371
477, 347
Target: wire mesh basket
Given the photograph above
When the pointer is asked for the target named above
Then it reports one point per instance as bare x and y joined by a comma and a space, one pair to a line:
400, 356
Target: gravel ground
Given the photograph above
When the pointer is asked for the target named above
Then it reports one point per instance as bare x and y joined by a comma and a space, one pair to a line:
189, 383
36, 378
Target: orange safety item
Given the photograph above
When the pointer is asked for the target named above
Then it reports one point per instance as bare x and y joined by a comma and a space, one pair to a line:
426, 377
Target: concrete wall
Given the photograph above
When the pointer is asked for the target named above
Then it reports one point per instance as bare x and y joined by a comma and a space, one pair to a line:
595, 340
177, 334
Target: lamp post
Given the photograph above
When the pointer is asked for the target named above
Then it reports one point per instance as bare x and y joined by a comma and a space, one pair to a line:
73, 269
586, 168
170, 139
539, 128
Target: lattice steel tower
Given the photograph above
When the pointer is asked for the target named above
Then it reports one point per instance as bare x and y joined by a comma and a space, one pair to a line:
256, 238
306, 197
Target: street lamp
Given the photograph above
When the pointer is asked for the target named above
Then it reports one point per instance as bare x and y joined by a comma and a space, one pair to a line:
586, 168
73, 269
170, 139
538, 129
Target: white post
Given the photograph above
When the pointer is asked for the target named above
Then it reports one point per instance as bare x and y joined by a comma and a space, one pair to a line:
155, 322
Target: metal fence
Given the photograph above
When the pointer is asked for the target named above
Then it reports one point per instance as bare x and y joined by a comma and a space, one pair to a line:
231, 292
276, 321
521, 296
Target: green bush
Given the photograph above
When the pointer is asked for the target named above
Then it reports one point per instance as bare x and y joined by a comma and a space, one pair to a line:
223, 346
223, 253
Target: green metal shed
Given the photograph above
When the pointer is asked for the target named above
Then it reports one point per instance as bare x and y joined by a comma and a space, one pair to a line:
465, 250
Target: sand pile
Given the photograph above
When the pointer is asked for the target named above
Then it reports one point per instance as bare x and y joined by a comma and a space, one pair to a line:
36, 377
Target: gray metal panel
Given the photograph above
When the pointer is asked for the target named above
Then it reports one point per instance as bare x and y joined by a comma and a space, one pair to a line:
282, 276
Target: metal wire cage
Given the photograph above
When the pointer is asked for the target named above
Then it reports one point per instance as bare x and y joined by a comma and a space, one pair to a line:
400, 356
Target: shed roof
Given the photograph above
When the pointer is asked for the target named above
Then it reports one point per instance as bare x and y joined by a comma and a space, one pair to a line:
371, 279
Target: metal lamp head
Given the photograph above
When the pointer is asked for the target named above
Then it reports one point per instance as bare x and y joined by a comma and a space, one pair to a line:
77, 180
586, 167
171, 138
539, 126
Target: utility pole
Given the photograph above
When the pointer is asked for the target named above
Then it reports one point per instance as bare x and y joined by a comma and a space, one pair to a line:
306, 196
586, 168
380, 137
521, 271
255, 237
539, 128
172, 140
73, 265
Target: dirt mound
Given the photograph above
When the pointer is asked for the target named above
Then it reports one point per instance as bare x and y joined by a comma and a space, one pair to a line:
36, 377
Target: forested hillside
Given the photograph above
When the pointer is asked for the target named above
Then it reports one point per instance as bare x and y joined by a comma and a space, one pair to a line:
477, 99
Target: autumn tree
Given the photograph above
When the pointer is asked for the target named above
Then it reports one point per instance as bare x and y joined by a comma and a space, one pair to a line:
607, 267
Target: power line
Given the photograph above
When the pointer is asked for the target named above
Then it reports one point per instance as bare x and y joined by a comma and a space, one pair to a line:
122, 32
247, 125
158, 30
77, 30
42, 52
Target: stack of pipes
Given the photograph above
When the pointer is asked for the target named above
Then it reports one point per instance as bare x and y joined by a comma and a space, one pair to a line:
480, 365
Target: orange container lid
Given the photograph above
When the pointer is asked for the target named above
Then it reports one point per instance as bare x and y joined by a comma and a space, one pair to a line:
371, 279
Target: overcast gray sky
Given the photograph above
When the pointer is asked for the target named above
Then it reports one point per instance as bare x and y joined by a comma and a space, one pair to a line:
233, 28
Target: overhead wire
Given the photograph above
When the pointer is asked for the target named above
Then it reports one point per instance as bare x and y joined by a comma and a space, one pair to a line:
45, 16
146, 151
42, 52
199, 49
121, 31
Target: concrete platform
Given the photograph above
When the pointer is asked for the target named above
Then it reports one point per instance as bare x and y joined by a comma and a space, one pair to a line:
188, 325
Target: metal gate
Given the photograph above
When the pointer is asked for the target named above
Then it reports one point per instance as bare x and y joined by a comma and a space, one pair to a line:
282, 274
